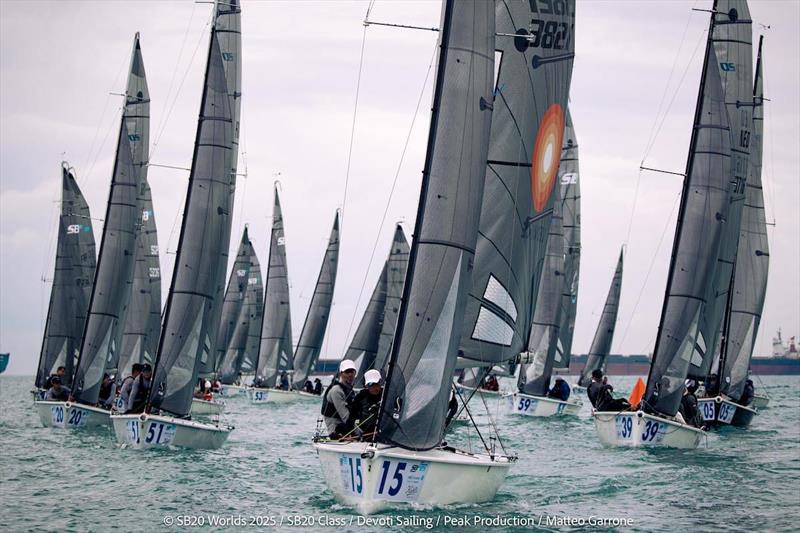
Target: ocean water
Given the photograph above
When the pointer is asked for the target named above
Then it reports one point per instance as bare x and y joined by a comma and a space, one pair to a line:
53, 479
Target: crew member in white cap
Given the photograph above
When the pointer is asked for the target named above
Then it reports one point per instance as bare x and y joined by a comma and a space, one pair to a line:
335, 401
365, 405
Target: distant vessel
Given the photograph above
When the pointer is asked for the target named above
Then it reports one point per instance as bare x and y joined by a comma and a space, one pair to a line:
780, 350
4, 358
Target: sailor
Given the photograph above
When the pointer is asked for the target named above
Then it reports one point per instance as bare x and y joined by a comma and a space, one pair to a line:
596, 387
57, 392
560, 390
748, 394
334, 402
60, 372
308, 387
284, 381
491, 383
599, 393
364, 406
125, 387
688, 408
139, 390
107, 391
452, 408
317, 387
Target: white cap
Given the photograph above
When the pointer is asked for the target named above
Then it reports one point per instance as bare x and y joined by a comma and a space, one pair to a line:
371, 377
346, 365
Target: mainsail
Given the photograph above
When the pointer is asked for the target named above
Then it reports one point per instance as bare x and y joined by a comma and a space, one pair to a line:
752, 260
313, 333
367, 339
102, 337
704, 204
72, 282
228, 31
234, 298
530, 101
190, 317
254, 301
275, 349
570, 193
534, 378
601, 344
440, 265
731, 40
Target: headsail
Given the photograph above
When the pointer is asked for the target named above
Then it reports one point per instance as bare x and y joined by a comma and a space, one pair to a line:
313, 333
604, 335
440, 265
275, 349
190, 319
752, 260
72, 282
731, 40
534, 378
374, 333
530, 102
570, 194
102, 338
704, 204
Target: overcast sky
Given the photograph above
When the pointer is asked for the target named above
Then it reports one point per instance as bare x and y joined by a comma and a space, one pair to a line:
636, 71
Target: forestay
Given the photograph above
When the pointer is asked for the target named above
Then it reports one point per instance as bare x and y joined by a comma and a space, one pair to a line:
313, 333
72, 282
534, 70
442, 254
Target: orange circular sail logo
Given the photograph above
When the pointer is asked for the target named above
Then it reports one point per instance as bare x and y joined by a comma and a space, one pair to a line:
546, 156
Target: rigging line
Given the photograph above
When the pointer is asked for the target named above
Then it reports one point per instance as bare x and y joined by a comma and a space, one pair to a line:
180, 87
391, 194
650, 269
174, 72
675, 94
650, 138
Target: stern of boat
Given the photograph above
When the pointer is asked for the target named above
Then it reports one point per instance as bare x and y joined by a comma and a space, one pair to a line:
143, 431
638, 429
68, 415
540, 406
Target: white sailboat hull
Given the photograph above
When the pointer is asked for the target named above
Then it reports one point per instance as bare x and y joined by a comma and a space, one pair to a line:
204, 407
540, 406
722, 411
760, 401
143, 431
231, 390
67, 415
259, 395
638, 429
370, 477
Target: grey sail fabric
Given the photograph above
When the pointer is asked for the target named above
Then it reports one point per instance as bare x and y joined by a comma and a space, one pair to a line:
570, 194
731, 38
752, 261
234, 299
143, 320
440, 263
227, 28
704, 202
72, 282
255, 308
275, 350
534, 71
534, 378
396, 269
102, 338
188, 329
313, 333
364, 346
604, 335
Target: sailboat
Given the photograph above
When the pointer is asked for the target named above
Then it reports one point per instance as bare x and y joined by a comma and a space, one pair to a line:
190, 318
310, 345
747, 287
69, 297
533, 384
249, 311
476, 154
108, 305
372, 340
604, 335
705, 200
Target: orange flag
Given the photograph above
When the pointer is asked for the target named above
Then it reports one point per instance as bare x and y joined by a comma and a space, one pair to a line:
637, 393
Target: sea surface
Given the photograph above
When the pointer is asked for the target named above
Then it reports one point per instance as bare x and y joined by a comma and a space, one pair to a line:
53, 479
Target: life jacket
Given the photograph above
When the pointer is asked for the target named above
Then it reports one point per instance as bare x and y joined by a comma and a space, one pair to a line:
328, 409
